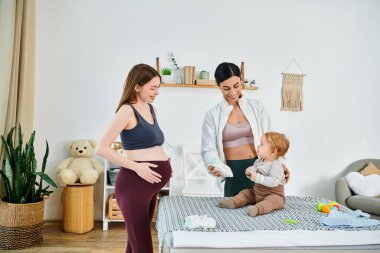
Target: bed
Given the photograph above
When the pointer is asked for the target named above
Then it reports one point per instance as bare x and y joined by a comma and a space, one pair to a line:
238, 232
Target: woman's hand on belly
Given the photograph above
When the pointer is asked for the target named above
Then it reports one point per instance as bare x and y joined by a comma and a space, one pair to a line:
144, 171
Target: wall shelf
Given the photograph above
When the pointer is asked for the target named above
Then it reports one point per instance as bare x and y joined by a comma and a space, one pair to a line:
201, 85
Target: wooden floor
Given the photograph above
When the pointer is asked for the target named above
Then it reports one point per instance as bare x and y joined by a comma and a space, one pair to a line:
96, 241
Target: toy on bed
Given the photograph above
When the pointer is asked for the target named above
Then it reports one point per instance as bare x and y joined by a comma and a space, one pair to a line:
322, 207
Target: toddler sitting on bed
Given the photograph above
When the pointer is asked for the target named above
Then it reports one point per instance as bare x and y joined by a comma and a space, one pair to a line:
268, 175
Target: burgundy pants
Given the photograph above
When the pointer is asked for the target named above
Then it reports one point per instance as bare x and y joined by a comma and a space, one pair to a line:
137, 200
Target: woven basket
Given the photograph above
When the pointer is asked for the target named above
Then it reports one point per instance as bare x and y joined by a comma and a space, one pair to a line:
21, 225
114, 212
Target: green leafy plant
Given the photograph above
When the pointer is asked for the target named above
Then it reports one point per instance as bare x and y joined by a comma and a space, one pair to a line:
166, 71
19, 172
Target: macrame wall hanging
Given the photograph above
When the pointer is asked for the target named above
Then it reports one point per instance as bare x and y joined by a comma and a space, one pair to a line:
292, 85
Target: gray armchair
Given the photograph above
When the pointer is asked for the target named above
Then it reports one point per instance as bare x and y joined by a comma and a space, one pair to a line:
345, 196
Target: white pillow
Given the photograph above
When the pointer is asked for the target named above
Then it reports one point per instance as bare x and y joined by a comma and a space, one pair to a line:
364, 185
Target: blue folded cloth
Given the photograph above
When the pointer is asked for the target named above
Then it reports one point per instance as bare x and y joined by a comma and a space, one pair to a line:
358, 213
348, 219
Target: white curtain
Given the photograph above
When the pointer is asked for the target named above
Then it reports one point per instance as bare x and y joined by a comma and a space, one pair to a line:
17, 47
17, 21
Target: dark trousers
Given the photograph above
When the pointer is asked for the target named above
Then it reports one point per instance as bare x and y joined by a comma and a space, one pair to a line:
137, 200
239, 181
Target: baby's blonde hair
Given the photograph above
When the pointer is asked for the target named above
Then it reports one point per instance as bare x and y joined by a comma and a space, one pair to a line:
279, 142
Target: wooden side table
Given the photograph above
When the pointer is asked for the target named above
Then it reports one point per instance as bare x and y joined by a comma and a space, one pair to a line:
78, 208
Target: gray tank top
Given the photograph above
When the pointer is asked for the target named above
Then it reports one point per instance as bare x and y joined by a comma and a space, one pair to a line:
143, 135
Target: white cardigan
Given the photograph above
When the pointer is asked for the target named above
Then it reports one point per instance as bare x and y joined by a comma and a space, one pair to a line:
216, 119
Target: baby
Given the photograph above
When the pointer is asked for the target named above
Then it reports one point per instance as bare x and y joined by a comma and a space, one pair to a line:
268, 174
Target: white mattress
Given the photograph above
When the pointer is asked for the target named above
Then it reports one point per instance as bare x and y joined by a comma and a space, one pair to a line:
268, 238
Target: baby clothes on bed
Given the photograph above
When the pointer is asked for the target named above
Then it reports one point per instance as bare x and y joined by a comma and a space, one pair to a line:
223, 168
349, 219
359, 214
199, 221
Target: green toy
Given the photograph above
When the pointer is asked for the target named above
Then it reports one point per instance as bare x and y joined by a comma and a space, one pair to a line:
319, 206
291, 221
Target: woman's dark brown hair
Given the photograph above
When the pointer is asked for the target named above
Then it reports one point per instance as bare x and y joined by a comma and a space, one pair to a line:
226, 70
140, 74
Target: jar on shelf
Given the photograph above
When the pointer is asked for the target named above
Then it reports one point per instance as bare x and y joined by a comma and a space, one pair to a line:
204, 75
177, 76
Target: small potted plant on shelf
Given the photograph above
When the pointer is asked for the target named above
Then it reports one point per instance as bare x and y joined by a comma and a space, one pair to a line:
22, 207
166, 76
247, 83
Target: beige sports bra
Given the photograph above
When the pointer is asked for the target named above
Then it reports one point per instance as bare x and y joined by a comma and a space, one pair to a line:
238, 134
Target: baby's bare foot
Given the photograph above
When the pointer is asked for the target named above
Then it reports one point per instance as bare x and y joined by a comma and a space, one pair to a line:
253, 211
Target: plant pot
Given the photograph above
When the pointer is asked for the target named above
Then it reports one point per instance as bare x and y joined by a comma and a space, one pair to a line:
21, 225
167, 79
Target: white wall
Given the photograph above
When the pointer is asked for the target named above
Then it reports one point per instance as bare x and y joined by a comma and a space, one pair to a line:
84, 50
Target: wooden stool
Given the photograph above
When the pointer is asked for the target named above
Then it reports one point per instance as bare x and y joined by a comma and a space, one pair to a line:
78, 208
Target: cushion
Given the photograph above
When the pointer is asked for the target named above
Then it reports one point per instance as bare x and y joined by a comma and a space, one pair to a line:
366, 204
364, 185
370, 169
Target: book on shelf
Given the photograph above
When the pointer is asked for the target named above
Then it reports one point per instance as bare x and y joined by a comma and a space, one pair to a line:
189, 74
205, 82
186, 71
194, 76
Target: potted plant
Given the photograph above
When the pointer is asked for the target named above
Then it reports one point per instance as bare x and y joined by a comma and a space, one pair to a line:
247, 83
22, 207
166, 75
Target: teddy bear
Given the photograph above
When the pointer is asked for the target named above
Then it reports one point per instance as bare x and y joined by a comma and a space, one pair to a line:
80, 167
